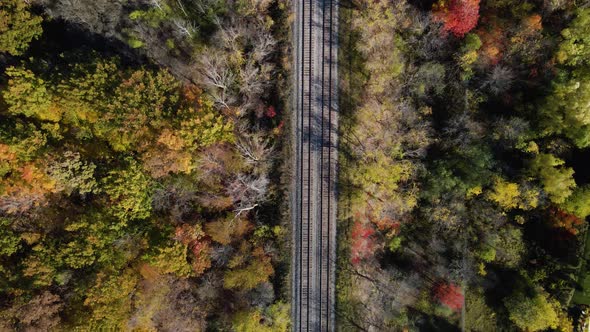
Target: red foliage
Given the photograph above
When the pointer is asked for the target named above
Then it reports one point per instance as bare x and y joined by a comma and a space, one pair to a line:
271, 112
449, 295
458, 16
561, 219
362, 246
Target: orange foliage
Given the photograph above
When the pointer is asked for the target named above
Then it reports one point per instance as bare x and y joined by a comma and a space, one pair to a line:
532, 23
458, 16
160, 161
198, 244
561, 219
26, 187
492, 40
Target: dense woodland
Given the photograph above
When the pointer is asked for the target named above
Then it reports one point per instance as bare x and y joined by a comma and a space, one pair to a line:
465, 165
143, 153
141, 188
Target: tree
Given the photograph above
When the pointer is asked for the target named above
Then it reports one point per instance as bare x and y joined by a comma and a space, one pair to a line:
30, 95
505, 194
450, 295
194, 238
578, 202
510, 248
171, 259
9, 240
129, 193
458, 16
558, 182
89, 241
18, 27
274, 318
362, 244
478, 315
531, 313
575, 48
257, 271
567, 108
72, 174
41, 313
561, 219
109, 299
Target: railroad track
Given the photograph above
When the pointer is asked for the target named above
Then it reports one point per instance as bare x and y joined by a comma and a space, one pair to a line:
313, 203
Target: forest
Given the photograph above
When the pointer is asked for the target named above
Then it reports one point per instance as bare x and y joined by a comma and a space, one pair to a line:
144, 157
465, 165
141, 186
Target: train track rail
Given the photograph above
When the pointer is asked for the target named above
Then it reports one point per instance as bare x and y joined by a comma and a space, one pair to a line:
313, 202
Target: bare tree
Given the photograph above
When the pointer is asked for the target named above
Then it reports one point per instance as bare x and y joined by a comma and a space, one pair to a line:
256, 150
184, 28
248, 191
218, 77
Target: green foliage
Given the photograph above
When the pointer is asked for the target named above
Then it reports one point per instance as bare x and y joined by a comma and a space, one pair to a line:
205, 126
129, 193
257, 271
510, 248
171, 259
274, 318
73, 175
471, 42
9, 240
109, 299
18, 27
91, 240
479, 317
430, 78
395, 244
29, 95
153, 16
135, 43
531, 313
558, 182
575, 48
578, 202
567, 109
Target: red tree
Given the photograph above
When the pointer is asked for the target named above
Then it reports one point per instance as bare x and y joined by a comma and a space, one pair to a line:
362, 245
449, 295
567, 221
458, 16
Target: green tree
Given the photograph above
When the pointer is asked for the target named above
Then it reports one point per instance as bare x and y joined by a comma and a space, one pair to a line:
558, 182
73, 174
479, 317
274, 319
510, 248
531, 313
29, 95
575, 48
171, 259
129, 193
89, 241
109, 299
9, 240
258, 270
567, 109
18, 27
579, 202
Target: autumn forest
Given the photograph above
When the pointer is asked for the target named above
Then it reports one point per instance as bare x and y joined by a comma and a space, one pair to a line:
146, 152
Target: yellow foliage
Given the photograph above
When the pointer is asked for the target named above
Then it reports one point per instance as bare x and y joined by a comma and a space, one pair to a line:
505, 194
